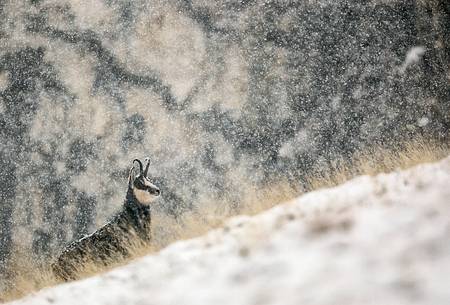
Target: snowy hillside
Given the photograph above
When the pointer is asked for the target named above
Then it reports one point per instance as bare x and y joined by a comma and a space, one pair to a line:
373, 240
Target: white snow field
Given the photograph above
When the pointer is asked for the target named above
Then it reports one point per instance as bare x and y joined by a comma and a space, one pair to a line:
373, 240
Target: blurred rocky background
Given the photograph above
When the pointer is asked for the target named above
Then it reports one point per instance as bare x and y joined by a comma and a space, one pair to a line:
224, 96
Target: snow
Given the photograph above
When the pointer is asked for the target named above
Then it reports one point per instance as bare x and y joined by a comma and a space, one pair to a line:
224, 96
412, 57
372, 240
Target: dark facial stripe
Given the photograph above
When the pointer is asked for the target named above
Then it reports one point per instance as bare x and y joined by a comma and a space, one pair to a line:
140, 184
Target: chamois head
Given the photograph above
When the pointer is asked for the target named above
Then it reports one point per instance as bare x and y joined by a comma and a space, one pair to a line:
143, 190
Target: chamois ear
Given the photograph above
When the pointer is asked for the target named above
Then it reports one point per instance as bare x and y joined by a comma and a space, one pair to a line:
130, 177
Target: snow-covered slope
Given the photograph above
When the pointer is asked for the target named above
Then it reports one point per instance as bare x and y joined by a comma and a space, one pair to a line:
373, 240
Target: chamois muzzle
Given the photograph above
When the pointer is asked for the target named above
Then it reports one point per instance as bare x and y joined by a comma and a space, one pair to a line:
155, 191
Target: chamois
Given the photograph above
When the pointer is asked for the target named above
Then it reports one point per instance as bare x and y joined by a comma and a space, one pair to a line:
112, 242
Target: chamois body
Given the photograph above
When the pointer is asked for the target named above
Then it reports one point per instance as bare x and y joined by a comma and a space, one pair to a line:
112, 242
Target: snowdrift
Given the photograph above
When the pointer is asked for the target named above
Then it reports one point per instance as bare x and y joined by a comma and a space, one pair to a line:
372, 240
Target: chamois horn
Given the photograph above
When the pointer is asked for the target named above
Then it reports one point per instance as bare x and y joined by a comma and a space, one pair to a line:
147, 166
140, 165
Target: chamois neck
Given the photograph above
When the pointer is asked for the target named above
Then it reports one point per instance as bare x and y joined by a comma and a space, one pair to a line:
130, 198
132, 204
138, 215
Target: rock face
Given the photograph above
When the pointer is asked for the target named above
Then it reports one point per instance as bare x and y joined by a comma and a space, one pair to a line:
221, 95
381, 240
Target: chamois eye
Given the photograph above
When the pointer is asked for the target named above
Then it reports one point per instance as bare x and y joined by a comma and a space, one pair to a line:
139, 183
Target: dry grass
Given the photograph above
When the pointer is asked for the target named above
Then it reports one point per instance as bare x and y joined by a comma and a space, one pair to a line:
28, 277
167, 229
378, 160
